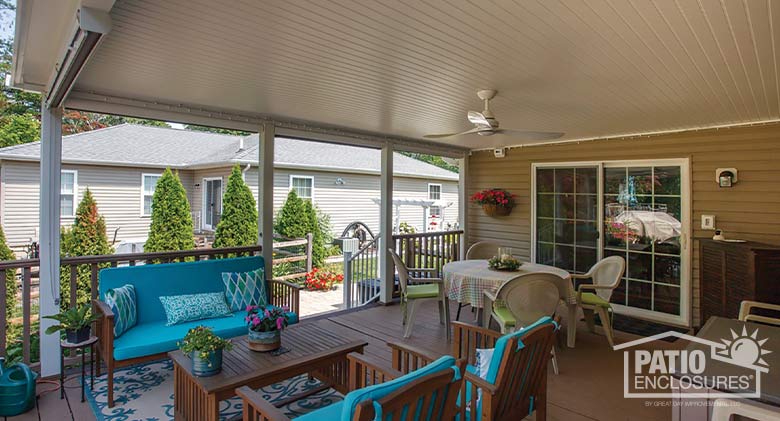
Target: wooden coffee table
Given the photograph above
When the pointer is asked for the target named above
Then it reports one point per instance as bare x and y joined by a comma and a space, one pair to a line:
313, 351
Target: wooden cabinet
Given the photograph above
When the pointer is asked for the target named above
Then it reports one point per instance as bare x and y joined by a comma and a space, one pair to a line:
732, 272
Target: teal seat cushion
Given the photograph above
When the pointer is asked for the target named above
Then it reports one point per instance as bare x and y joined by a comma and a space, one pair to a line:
330, 412
155, 337
121, 301
378, 391
243, 289
501, 345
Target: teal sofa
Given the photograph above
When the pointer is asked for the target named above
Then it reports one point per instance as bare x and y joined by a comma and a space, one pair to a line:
150, 338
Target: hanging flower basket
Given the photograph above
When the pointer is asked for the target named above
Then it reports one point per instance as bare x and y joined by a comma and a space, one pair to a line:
495, 202
496, 210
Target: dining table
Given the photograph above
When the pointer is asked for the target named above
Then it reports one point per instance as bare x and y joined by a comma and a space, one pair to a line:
466, 282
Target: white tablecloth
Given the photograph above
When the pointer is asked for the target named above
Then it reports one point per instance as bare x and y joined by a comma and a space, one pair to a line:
466, 280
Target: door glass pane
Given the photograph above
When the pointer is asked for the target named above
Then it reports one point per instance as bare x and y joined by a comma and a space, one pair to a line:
642, 223
566, 218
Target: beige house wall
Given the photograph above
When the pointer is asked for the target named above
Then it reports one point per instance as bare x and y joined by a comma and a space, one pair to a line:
750, 210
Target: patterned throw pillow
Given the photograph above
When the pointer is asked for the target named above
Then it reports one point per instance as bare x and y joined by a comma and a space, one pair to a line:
243, 289
184, 308
121, 301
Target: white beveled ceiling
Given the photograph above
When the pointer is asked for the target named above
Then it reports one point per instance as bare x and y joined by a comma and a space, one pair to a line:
596, 68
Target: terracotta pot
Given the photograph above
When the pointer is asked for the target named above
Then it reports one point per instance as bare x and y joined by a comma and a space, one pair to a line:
265, 341
496, 210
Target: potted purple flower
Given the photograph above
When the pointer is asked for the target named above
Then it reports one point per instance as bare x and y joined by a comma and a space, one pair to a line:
265, 324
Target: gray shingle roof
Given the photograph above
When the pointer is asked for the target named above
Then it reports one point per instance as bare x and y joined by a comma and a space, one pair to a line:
144, 146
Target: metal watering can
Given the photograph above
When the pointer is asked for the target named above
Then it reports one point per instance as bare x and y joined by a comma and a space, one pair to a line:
17, 388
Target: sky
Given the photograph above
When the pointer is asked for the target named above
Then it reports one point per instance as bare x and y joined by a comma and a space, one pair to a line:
7, 23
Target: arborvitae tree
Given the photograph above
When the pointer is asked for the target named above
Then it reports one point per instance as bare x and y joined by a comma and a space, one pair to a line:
171, 228
10, 277
87, 237
292, 221
318, 245
238, 226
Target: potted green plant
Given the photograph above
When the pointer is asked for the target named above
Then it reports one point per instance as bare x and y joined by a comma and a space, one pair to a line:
495, 202
265, 324
75, 321
204, 349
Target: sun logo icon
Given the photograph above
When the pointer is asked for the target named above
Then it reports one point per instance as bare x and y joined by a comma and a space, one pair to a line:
745, 350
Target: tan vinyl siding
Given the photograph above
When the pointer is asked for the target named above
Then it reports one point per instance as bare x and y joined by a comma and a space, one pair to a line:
750, 210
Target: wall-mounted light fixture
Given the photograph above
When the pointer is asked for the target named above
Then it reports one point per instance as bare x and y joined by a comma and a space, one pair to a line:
340, 181
726, 177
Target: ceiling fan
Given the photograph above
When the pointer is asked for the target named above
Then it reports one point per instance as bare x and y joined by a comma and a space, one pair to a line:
487, 125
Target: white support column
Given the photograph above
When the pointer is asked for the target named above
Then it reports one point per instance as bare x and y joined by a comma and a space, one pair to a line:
463, 203
51, 165
386, 268
265, 194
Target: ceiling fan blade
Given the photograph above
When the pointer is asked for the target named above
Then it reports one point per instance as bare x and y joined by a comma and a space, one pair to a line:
531, 135
441, 136
478, 119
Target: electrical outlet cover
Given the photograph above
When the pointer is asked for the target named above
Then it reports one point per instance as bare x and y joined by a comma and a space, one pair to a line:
708, 222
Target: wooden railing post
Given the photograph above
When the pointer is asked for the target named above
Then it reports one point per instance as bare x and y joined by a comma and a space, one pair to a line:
309, 249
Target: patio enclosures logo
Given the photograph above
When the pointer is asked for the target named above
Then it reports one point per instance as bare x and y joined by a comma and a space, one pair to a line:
734, 364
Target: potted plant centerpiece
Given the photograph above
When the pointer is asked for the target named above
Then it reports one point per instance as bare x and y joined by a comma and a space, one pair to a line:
205, 350
265, 324
75, 321
495, 202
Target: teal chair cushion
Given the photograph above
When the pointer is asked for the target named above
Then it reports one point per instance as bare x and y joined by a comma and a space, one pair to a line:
501, 345
378, 391
330, 412
155, 337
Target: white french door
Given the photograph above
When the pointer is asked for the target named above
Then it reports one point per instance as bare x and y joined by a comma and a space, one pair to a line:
639, 210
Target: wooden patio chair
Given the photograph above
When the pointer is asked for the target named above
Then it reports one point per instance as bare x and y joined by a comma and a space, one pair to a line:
428, 393
606, 275
516, 383
746, 312
416, 289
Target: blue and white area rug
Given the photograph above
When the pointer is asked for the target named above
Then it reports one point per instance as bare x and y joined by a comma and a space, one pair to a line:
145, 392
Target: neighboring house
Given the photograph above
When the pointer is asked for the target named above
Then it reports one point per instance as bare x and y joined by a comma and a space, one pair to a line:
121, 164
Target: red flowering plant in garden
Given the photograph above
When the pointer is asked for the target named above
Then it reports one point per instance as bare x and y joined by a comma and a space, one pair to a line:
266, 318
498, 197
322, 280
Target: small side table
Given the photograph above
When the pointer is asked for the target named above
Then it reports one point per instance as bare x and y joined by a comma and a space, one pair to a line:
89, 343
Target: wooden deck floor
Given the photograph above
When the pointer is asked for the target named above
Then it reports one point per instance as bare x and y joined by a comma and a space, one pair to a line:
589, 387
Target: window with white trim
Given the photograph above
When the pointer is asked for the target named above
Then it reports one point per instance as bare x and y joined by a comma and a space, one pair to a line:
68, 190
148, 184
434, 193
303, 186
